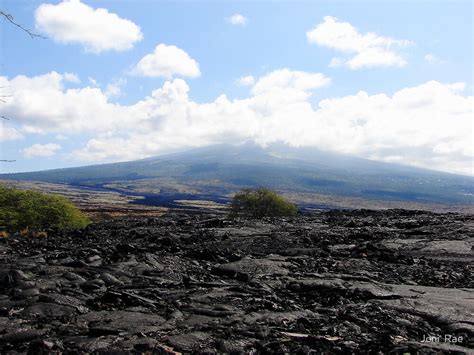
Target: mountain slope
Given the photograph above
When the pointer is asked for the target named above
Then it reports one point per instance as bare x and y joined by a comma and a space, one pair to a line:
221, 169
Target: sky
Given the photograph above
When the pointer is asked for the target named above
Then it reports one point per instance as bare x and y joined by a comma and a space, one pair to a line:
118, 80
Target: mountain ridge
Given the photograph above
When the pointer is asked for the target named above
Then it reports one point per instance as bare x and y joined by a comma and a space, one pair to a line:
221, 169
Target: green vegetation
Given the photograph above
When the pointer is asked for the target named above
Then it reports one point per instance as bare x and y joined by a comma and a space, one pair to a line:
261, 202
36, 211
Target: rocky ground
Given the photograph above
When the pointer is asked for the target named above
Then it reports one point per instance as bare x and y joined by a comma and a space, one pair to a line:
330, 282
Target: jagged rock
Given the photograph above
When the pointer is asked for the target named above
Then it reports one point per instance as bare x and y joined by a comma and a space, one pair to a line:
92, 285
21, 336
47, 311
115, 322
249, 268
110, 280
73, 277
20, 294
331, 282
189, 341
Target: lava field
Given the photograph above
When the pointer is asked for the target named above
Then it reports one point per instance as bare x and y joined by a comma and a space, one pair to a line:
359, 281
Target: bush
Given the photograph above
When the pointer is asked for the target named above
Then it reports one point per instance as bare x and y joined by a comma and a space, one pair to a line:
261, 202
36, 211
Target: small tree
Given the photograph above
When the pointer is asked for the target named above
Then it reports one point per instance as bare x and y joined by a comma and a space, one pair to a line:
261, 202
36, 211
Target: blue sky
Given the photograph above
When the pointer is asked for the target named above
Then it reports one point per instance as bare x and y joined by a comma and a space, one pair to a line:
388, 80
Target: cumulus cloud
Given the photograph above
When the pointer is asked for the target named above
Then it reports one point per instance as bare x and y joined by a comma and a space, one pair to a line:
42, 104
97, 30
363, 50
41, 150
428, 125
167, 61
290, 79
238, 20
245, 80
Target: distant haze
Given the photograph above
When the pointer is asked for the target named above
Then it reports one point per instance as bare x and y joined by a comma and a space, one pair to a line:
217, 171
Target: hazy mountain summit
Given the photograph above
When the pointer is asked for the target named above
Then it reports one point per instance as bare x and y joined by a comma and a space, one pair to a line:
221, 169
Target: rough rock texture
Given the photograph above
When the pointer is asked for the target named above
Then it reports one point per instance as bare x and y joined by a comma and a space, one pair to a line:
337, 282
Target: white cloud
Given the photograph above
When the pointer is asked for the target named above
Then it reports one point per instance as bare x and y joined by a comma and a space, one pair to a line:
72, 78
60, 137
290, 79
362, 50
93, 82
9, 134
97, 30
41, 150
433, 59
114, 88
41, 104
238, 19
167, 61
245, 80
429, 125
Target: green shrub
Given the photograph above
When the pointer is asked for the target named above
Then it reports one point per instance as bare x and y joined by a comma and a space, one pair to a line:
261, 202
20, 209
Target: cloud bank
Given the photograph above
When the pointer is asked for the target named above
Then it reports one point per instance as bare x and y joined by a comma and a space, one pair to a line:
428, 125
